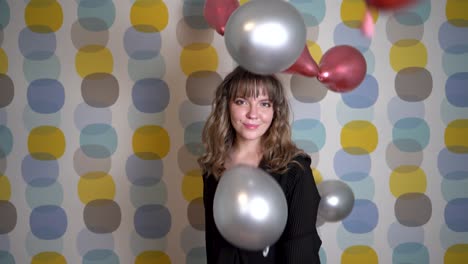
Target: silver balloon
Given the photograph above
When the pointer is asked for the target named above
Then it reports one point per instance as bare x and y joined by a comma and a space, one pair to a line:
249, 208
265, 36
337, 200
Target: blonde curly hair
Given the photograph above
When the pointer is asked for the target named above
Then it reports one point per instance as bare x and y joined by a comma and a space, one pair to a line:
219, 135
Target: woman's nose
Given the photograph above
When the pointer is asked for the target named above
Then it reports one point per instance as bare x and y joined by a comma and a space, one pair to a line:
253, 112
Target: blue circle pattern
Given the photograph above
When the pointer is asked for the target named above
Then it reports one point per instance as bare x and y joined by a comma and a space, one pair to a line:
48, 222
455, 214
455, 89
100, 256
350, 167
309, 134
410, 134
355, 169
96, 15
4, 14
365, 95
192, 138
37, 46
6, 139
411, 253
38, 173
6, 257
98, 140
46, 97
144, 172
363, 218
142, 45
453, 40
150, 98
193, 14
150, 95
313, 12
152, 221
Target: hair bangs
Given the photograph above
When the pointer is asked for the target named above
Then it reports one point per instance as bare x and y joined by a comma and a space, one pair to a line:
254, 85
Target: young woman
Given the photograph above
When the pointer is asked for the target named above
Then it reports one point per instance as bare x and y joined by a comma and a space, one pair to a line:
249, 124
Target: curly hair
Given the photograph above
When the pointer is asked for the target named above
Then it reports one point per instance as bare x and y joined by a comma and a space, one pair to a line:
219, 135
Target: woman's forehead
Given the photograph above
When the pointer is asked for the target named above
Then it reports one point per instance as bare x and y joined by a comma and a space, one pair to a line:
256, 91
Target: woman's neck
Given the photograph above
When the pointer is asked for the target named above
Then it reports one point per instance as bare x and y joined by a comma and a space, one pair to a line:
246, 152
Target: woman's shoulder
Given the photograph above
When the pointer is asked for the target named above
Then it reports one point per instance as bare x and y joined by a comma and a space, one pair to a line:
297, 169
302, 161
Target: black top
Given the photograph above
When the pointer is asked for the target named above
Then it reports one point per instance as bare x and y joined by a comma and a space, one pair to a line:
299, 243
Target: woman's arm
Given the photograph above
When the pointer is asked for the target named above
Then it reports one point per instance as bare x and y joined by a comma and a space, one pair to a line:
300, 242
209, 220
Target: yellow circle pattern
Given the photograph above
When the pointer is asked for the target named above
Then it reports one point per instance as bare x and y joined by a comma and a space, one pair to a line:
96, 186
149, 15
192, 185
151, 142
359, 254
359, 137
407, 53
150, 257
318, 178
198, 57
5, 188
314, 50
48, 258
456, 254
46, 143
408, 179
43, 16
352, 12
456, 138
94, 59
3, 62
456, 12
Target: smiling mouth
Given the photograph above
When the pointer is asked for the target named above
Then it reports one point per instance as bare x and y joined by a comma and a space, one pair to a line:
249, 126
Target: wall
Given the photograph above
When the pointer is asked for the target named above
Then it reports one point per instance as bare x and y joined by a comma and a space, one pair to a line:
102, 105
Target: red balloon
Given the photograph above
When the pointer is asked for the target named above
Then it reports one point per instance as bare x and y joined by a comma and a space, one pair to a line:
304, 65
217, 13
390, 4
342, 68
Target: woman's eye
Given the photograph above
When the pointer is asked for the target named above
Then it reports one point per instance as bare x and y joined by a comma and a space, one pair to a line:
266, 104
239, 101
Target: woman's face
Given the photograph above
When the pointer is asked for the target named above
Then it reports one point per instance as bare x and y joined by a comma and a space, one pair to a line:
251, 117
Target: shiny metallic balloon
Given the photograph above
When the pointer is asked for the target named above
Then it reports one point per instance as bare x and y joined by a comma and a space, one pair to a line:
265, 36
337, 200
249, 208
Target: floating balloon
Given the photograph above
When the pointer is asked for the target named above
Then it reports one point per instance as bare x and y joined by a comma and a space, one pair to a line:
342, 68
390, 4
249, 208
367, 25
337, 200
217, 13
265, 36
304, 65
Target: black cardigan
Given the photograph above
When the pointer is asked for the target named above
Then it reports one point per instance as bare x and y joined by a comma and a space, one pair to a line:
299, 243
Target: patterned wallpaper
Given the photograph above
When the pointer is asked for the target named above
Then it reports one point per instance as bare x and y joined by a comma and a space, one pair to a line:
102, 104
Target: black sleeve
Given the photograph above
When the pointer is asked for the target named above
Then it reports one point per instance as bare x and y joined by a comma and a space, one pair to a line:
208, 196
300, 242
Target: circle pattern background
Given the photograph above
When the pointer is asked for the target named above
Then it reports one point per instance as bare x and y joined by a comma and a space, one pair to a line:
102, 104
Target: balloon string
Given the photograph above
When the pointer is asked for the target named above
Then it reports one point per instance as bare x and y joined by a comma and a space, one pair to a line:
265, 251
